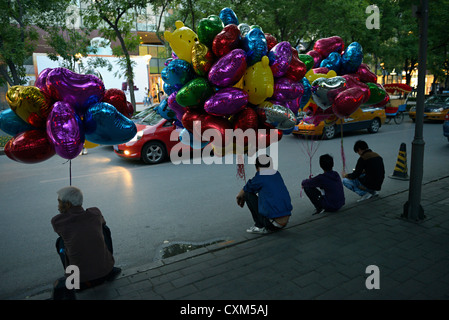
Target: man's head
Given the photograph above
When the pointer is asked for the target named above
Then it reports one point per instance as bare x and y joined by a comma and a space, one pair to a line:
326, 162
69, 197
263, 161
360, 146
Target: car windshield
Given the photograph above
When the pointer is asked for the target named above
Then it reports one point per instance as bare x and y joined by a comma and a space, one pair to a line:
152, 119
437, 100
144, 113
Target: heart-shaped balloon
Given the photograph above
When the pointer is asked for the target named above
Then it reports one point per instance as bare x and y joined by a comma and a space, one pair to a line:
208, 28
65, 130
178, 72
286, 89
228, 16
202, 59
297, 69
271, 41
187, 138
332, 62
347, 102
280, 57
30, 146
12, 124
316, 58
314, 114
176, 107
244, 29
352, 82
325, 90
226, 101
325, 46
365, 74
307, 60
41, 83
78, 90
294, 105
226, 40
266, 135
30, 104
255, 46
207, 128
377, 93
103, 124
229, 69
117, 98
352, 58
245, 119
194, 93
307, 92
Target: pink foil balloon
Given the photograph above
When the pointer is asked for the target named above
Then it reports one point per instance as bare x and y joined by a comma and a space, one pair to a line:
281, 53
297, 69
286, 89
65, 130
229, 69
226, 101
352, 82
30, 146
316, 57
365, 74
325, 46
78, 90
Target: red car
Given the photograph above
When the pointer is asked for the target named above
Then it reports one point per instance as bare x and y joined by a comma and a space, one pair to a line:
152, 142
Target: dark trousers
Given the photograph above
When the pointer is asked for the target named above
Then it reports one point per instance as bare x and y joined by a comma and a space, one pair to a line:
60, 248
260, 221
315, 196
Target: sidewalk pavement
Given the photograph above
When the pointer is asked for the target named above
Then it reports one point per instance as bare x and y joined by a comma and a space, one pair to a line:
325, 257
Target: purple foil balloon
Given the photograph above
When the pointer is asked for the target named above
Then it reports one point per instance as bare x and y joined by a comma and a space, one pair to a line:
41, 81
281, 55
294, 105
176, 107
286, 89
78, 90
229, 69
103, 124
226, 101
65, 130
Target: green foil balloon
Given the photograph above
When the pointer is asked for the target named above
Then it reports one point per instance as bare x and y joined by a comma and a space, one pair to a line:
308, 60
377, 94
194, 93
208, 28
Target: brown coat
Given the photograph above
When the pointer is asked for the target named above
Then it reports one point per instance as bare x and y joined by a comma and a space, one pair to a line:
82, 233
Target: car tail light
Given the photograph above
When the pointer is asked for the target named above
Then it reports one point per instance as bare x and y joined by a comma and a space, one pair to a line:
446, 117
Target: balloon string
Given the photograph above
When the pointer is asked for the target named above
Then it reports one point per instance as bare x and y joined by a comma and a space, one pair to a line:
343, 157
70, 171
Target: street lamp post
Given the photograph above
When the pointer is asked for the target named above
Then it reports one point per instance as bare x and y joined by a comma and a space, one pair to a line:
412, 208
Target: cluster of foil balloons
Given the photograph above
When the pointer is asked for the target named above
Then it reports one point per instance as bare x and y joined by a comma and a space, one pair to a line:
338, 83
231, 76
61, 113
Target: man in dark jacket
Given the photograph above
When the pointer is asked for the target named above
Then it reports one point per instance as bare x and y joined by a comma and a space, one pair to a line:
267, 198
368, 175
325, 190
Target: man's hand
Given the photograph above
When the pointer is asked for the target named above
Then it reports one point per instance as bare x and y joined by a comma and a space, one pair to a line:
241, 198
343, 174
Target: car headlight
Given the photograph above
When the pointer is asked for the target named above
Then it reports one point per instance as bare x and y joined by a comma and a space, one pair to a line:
138, 136
438, 110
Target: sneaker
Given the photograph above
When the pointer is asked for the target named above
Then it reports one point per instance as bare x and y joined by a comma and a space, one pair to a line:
366, 196
375, 194
318, 211
258, 230
113, 274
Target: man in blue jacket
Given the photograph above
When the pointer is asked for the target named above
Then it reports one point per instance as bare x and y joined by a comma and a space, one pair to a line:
267, 198
332, 196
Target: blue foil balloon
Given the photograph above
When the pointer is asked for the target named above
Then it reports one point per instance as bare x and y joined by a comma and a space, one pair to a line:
165, 112
169, 89
186, 137
228, 16
12, 124
332, 62
178, 72
255, 46
307, 92
352, 58
103, 124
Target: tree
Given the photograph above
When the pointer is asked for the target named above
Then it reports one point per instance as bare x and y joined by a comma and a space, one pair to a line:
114, 19
18, 34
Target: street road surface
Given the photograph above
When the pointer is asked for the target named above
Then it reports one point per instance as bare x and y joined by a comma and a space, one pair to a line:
146, 206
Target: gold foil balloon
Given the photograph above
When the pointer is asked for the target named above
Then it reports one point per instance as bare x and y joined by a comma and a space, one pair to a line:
202, 59
30, 104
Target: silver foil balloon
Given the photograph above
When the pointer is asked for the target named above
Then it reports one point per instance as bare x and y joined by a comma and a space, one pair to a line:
280, 117
324, 90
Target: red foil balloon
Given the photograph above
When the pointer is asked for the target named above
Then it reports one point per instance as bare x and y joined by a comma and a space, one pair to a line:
325, 46
352, 82
246, 119
316, 57
365, 74
297, 69
226, 40
271, 41
30, 147
347, 102
215, 127
117, 98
